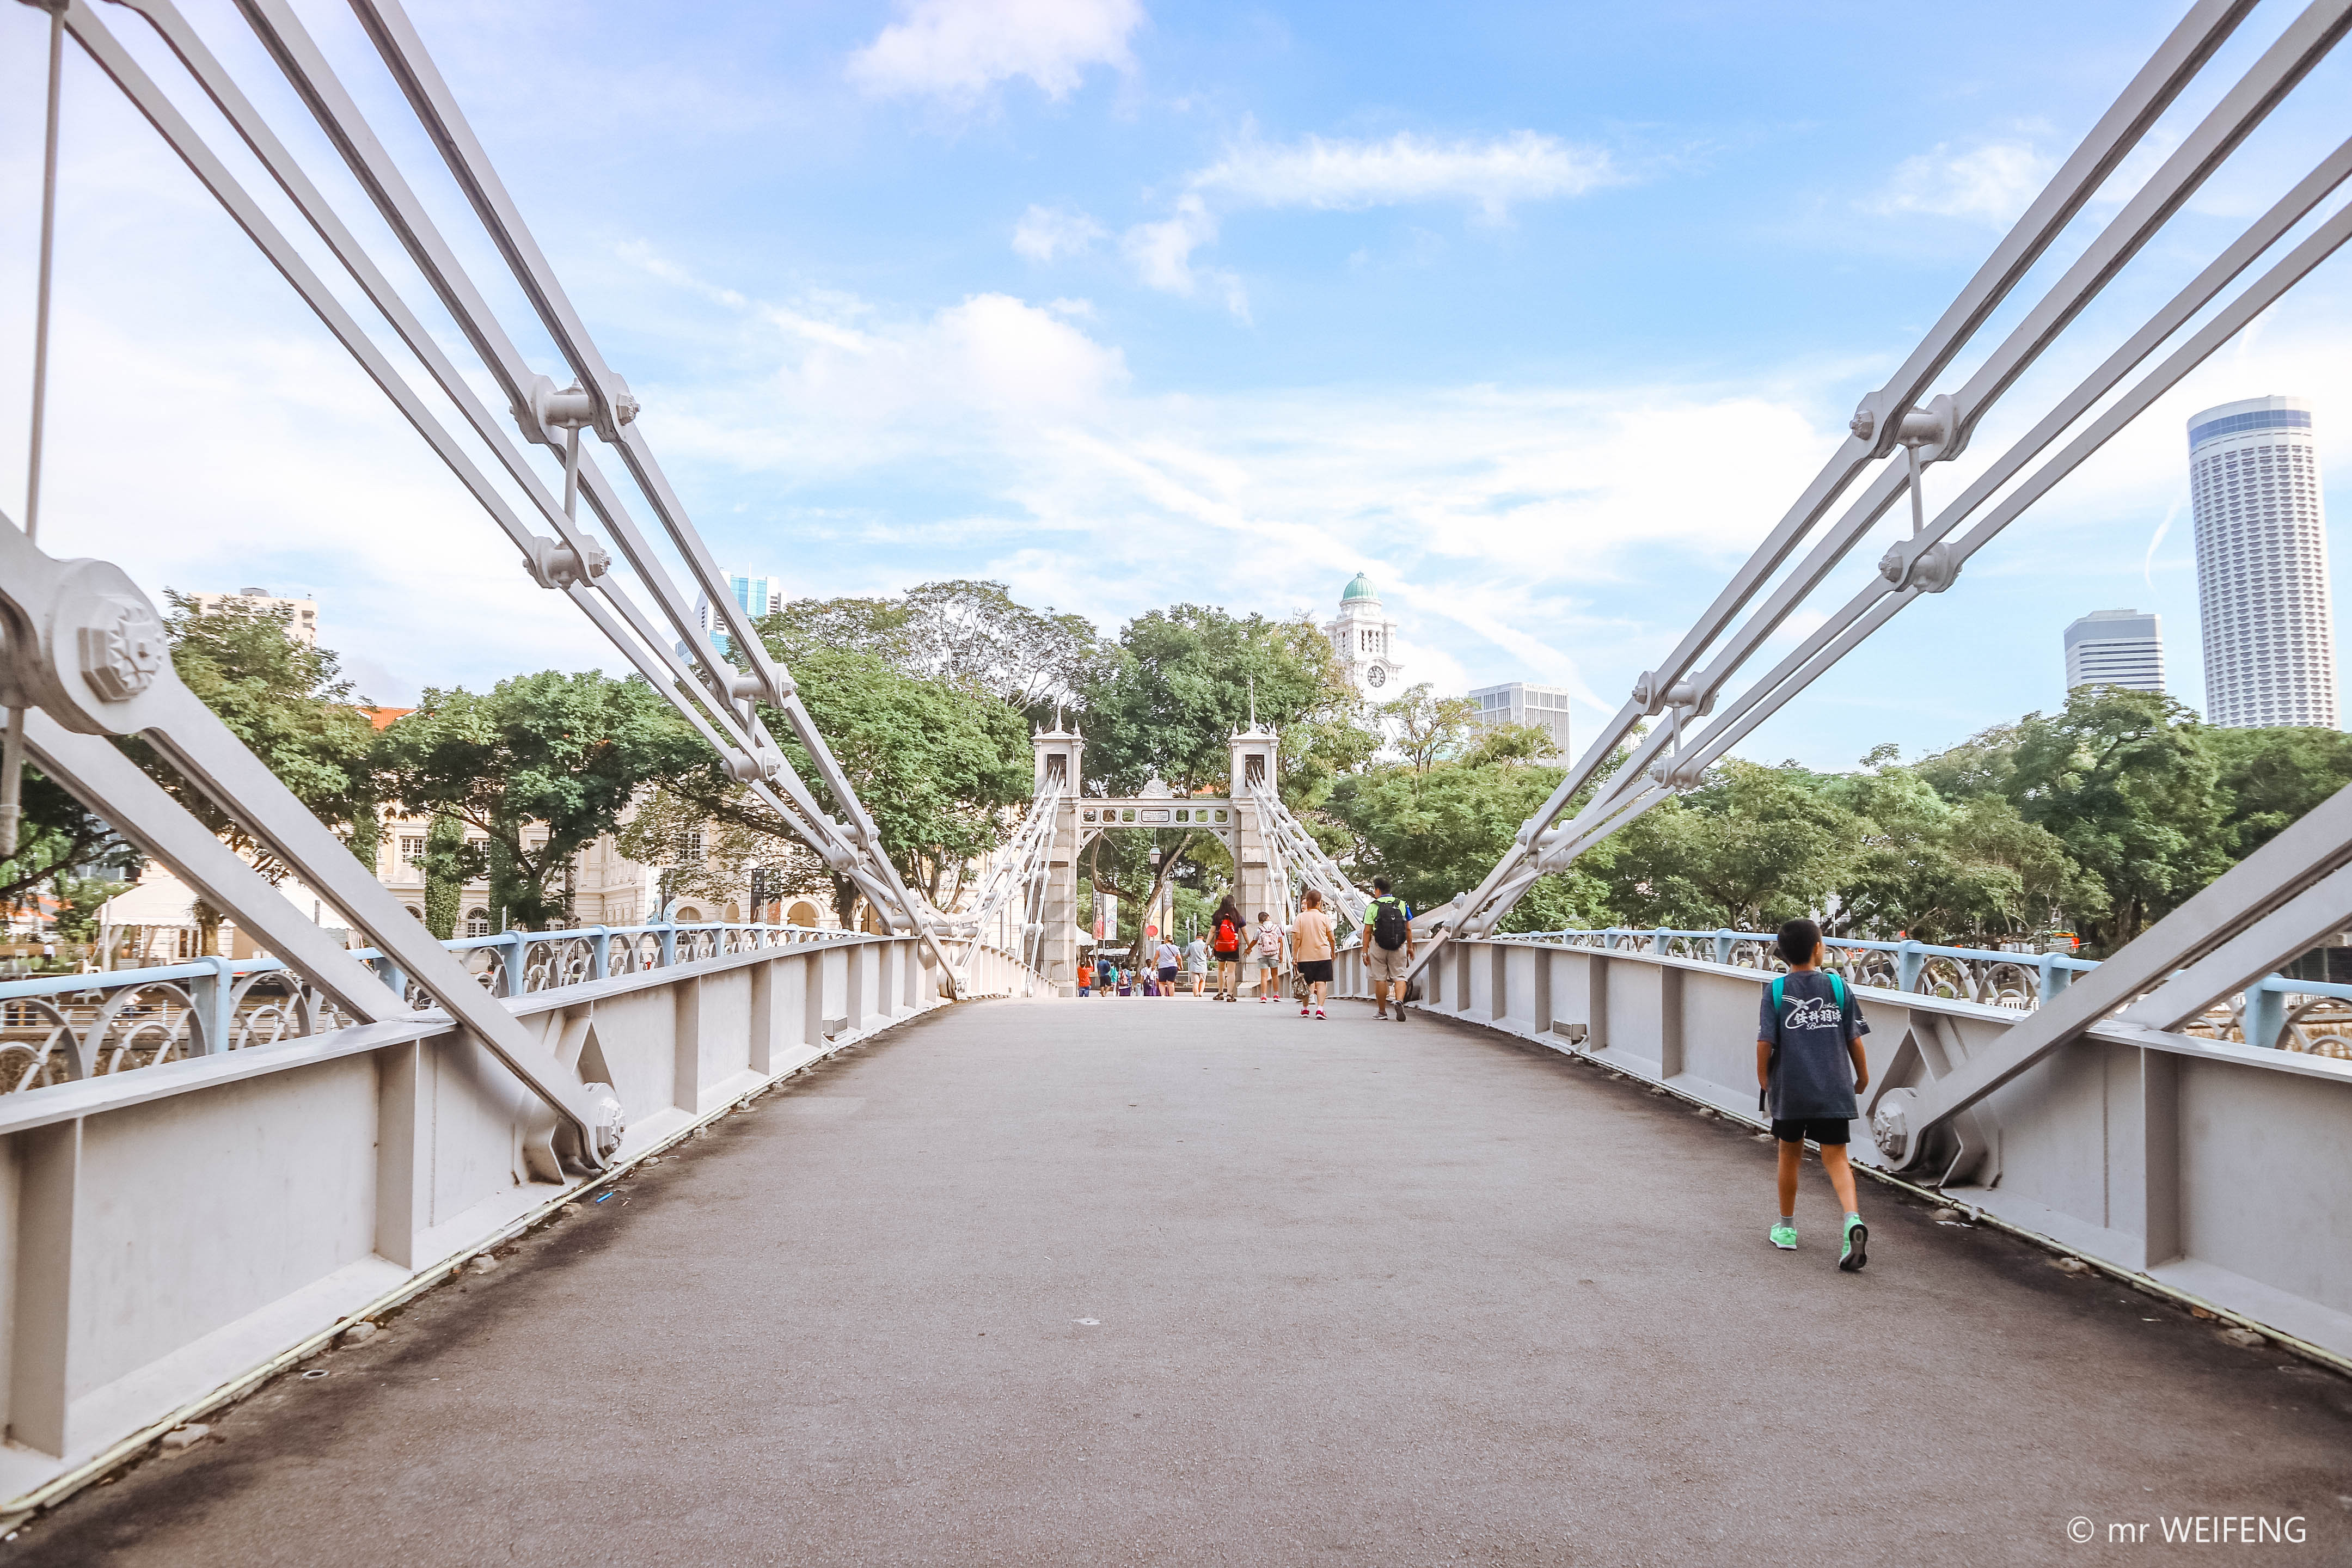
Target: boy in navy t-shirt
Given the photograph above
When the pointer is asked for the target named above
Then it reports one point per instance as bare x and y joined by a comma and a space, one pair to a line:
1810, 1062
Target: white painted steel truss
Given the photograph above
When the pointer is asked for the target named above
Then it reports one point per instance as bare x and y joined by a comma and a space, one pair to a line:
1299, 861
1009, 908
85, 653
1686, 714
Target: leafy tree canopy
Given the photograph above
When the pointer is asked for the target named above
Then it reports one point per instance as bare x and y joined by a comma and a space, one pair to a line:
55, 836
959, 630
1179, 684
564, 753
1427, 730
2126, 783
937, 757
2271, 777
290, 704
1750, 847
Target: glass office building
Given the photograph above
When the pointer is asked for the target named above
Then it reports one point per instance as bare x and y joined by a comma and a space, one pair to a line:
1517, 702
2116, 647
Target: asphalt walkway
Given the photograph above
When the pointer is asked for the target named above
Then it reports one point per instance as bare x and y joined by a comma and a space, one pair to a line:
1130, 1281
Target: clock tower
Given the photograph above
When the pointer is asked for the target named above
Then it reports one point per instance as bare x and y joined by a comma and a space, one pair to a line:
1365, 640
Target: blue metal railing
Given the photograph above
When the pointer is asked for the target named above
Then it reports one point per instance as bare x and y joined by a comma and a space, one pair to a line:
115, 1018
1974, 973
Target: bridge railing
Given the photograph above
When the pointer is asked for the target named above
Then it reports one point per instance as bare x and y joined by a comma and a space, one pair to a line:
178, 1232
57, 1028
984, 969
2280, 1012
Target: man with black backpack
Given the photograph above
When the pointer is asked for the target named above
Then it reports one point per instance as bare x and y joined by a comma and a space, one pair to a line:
1388, 946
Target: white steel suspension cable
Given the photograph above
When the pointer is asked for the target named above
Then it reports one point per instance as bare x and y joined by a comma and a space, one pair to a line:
436, 108
12, 746
1877, 426
1015, 866
1303, 858
721, 709
1636, 788
1926, 563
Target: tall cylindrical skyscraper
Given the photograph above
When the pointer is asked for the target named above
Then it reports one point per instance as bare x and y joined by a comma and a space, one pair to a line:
2261, 565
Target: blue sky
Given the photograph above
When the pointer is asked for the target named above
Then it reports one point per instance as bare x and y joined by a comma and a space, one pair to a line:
1541, 314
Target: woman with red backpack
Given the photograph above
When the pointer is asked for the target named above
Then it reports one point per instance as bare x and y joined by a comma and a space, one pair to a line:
1225, 942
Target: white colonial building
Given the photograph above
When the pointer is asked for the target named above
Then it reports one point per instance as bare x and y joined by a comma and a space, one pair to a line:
1365, 639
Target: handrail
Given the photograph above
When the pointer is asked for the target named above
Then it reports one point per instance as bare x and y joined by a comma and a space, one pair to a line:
140, 1018
2259, 1015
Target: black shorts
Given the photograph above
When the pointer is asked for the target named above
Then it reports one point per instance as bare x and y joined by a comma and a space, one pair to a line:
1822, 1130
1168, 975
1311, 970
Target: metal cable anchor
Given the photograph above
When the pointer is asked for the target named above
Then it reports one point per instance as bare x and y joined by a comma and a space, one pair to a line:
1926, 435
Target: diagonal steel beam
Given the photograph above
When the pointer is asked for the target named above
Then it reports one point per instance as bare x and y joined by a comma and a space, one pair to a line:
87, 649
2280, 898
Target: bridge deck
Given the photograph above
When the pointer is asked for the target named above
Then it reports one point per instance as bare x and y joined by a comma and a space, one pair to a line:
1170, 1281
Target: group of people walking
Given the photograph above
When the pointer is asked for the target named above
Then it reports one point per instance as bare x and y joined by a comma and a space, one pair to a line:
1310, 942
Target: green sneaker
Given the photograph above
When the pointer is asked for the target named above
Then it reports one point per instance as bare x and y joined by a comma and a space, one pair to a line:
1854, 1254
1784, 1236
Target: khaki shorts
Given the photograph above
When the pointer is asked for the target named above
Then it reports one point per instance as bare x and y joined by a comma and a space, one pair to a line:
1384, 964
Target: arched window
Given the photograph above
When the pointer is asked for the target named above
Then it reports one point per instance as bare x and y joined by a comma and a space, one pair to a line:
477, 923
415, 912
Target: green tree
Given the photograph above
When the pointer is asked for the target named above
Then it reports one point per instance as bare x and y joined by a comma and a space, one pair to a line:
1750, 848
2126, 783
957, 630
55, 836
1984, 763
563, 754
1427, 730
2272, 776
1180, 682
79, 900
710, 856
1945, 873
1437, 831
447, 867
1166, 700
289, 703
939, 761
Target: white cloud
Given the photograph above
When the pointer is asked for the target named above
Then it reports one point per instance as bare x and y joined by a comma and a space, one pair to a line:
1992, 182
1163, 252
1324, 176
1510, 528
1491, 176
1047, 234
958, 50
826, 393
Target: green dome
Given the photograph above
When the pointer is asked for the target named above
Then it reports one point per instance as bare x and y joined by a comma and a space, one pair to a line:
1359, 588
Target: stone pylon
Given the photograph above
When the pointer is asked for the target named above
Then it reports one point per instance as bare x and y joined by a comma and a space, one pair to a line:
1058, 753
1255, 885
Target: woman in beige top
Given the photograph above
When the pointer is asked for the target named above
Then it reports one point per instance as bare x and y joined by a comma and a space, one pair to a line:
1312, 944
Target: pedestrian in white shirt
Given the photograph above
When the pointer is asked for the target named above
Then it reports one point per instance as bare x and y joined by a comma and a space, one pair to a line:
1269, 957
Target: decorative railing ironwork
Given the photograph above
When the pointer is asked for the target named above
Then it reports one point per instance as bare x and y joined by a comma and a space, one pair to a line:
2280, 1012
56, 1029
